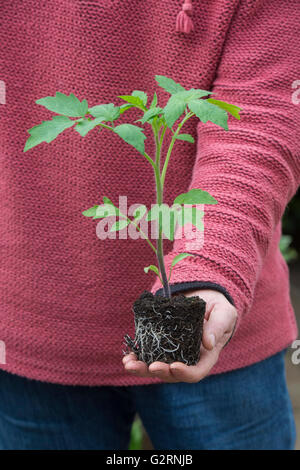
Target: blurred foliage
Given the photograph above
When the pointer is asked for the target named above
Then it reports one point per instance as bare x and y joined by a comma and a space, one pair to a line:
290, 240
288, 252
136, 438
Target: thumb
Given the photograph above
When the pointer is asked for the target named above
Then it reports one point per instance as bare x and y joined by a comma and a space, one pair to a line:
219, 326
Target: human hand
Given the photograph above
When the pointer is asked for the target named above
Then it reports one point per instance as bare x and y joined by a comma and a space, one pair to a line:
219, 324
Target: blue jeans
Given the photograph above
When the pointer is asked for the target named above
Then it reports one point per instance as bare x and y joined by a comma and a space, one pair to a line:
248, 408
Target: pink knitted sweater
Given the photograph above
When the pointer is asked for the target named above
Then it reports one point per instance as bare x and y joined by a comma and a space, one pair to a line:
66, 296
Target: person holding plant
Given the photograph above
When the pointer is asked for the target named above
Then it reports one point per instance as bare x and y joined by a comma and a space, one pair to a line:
63, 384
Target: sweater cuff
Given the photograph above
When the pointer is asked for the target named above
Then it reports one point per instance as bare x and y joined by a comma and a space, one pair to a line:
195, 285
203, 273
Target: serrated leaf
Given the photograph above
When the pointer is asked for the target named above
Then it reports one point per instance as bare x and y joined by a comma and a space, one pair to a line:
134, 100
176, 260
154, 101
193, 94
90, 212
47, 131
133, 135
142, 95
119, 225
151, 113
206, 111
195, 196
86, 125
191, 215
230, 108
107, 112
186, 137
65, 105
168, 84
173, 110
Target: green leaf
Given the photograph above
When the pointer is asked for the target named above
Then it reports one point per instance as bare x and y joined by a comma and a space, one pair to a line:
173, 110
152, 112
186, 137
102, 211
65, 105
230, 108
47, 131
154, 101
107, 112
106, 210
168, 84
206, 111
176, 260
154, 269
134, 100
133, 135
195, 196
86, 125
142, 95
125, 107
106, 200
90, 212
180, 257
119, 225
191, 215
190, 95
166, 217
139, 212
107, 203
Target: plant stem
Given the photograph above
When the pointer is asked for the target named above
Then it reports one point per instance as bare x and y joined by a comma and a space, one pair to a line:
144, 235
164, 171
159, 200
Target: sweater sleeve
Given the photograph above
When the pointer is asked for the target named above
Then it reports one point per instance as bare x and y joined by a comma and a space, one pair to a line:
252, 169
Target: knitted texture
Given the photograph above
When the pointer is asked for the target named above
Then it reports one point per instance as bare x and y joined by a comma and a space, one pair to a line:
65, 296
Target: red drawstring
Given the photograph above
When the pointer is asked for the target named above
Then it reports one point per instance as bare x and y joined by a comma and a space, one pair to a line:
184, 23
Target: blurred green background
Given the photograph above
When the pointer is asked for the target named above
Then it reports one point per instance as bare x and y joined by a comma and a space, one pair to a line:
291, 224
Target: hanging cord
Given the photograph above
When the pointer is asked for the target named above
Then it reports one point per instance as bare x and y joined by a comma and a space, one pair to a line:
184, 23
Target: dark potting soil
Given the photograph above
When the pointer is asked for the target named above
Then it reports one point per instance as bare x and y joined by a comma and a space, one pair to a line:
167, 330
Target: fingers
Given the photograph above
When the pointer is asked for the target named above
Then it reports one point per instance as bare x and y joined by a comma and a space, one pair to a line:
175, 372
136, 367
157, 369
219, 323
129, 357
162, 371
193, 374
219, 326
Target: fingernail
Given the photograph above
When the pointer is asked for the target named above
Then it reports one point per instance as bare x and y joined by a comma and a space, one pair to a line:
132, 371
212, 340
